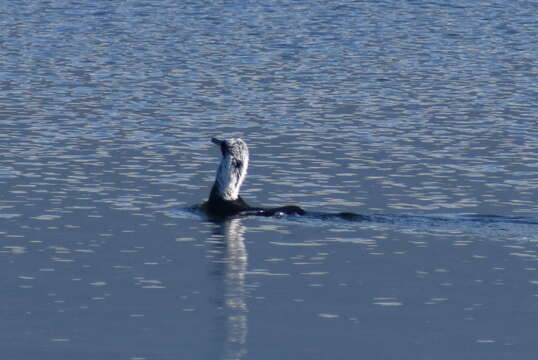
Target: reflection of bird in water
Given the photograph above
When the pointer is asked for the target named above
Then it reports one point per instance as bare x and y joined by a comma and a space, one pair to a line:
224, 199
233, 259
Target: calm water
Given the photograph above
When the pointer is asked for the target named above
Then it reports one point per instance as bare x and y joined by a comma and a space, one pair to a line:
422, 113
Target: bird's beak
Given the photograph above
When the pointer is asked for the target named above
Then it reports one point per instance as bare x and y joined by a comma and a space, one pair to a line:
214, 140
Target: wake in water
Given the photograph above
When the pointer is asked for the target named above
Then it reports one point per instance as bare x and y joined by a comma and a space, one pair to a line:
484, 225
524, 228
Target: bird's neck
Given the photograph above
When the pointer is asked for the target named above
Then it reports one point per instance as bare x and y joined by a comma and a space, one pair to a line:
229, 179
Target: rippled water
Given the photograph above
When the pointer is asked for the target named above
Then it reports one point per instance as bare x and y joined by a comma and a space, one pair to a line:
420, 114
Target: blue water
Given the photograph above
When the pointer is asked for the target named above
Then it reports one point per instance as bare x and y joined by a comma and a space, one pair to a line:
419, 114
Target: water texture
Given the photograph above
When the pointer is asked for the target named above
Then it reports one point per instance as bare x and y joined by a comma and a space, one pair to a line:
419, 114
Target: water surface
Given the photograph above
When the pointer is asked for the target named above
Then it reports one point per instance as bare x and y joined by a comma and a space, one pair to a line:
422, 114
